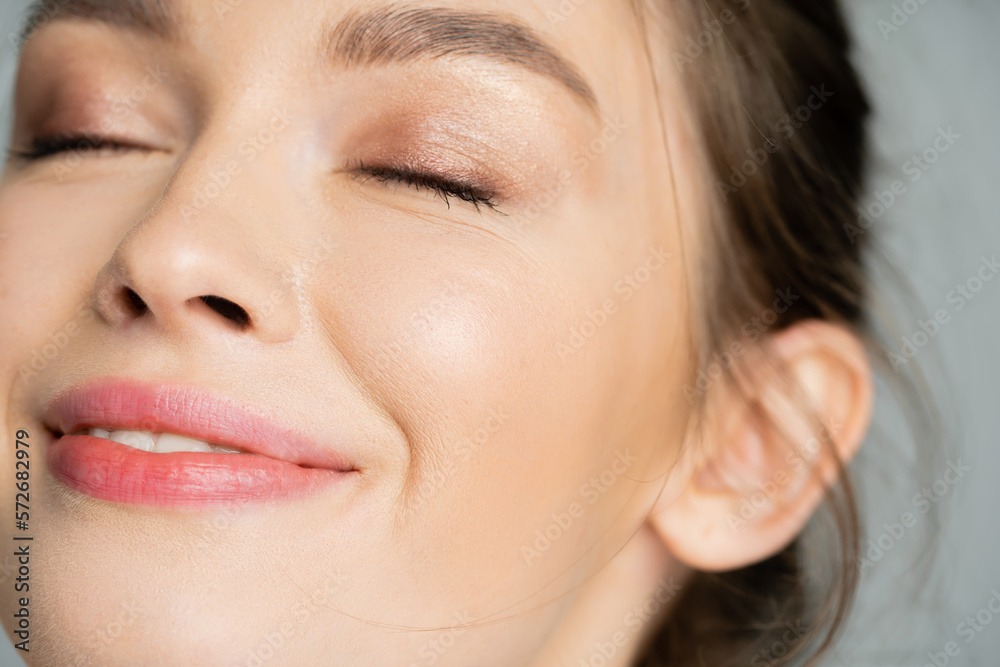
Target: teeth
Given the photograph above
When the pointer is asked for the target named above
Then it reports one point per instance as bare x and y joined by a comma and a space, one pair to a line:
138, 439
160, 443
169, 442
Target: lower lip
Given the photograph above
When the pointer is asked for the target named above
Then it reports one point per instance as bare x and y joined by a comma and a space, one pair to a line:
111, 471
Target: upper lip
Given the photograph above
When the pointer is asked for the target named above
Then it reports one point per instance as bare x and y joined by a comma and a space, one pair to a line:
120, 404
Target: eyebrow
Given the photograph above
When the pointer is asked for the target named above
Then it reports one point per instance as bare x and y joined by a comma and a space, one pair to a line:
398, 34
392, 34
153, 17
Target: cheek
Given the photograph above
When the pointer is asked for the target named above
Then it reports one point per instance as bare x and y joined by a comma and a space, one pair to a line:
448, 334
52, 245
506, 435
42, 289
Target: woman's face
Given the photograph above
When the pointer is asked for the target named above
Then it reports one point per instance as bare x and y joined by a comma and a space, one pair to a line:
435, 257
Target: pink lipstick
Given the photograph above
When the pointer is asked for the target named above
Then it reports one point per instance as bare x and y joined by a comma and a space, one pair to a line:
240, 456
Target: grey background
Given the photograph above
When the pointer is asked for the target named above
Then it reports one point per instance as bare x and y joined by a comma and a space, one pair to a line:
939, 70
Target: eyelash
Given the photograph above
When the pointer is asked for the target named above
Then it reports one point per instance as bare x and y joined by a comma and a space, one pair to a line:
44, 147
445, 188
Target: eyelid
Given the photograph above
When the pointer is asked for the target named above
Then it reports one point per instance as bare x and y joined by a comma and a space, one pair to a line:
446, 186
45, 146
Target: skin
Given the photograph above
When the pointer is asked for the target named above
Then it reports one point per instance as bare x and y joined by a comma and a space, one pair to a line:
395, 319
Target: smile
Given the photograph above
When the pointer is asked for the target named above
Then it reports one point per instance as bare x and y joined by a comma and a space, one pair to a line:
159, 443
179, 447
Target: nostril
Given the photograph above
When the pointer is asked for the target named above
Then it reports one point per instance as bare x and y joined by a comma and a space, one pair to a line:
231, 311
135, 302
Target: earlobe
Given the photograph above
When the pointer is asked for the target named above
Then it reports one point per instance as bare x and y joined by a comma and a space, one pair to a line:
778, 442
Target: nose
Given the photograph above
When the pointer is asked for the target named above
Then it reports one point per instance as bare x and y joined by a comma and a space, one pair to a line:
218, 274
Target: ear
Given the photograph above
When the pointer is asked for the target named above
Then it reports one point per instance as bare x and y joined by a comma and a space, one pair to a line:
765, 455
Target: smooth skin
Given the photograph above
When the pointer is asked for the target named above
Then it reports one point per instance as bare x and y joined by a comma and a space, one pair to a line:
455, 346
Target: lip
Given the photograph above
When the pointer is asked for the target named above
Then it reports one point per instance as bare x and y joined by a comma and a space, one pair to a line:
280, 464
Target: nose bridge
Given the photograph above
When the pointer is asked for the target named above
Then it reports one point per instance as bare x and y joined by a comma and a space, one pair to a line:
213, 255
228, 165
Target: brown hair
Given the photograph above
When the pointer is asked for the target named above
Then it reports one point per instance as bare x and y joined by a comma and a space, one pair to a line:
781, 114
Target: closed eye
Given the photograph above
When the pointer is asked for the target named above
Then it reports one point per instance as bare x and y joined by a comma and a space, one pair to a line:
444, 188
47, 146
